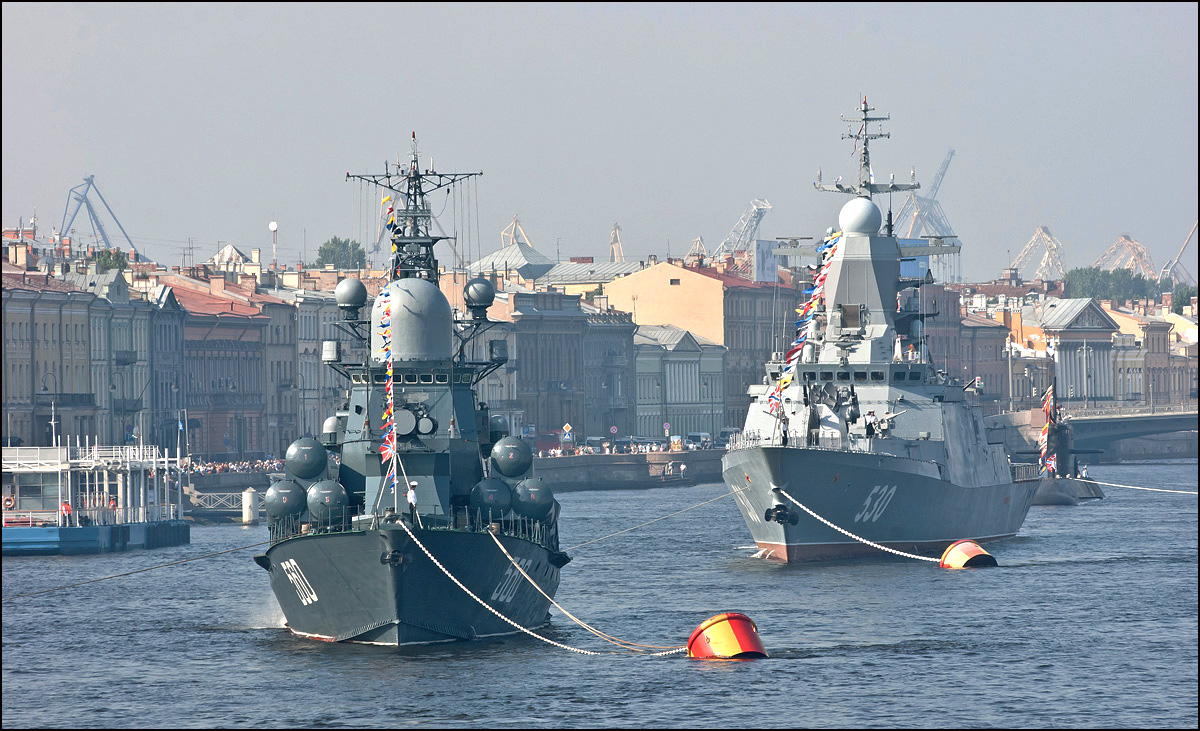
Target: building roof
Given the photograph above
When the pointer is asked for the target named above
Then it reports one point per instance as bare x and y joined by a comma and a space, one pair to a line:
200, 303
569, 272
1062, 314
975, 320
229, 254
668, 337
519, 257
37, 282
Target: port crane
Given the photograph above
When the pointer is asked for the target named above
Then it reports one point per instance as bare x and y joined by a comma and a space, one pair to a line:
1174, 270
616, 253
1127, 253
741, 239
1051, 266
80, 199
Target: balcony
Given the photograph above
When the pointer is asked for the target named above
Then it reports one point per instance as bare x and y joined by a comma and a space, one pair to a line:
66, 400
124, 357
126, 405
284, 384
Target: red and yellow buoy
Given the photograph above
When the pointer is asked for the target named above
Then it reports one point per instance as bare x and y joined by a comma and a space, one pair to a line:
966, 554
725, 636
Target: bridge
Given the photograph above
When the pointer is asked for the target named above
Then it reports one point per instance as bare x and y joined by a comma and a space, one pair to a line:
1097, 429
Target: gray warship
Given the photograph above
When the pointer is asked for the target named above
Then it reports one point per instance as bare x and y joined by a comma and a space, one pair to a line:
855, 421
350, 560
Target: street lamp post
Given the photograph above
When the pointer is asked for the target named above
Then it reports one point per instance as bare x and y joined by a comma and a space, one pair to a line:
53, 412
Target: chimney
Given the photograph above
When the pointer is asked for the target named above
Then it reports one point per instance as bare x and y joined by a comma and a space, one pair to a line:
216, 285
1168, 299
254, 255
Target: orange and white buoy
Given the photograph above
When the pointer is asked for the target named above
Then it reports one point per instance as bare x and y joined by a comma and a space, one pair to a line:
730, 635
966, 554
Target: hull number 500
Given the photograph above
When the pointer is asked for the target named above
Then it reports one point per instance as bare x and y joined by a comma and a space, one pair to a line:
876, 502
304, 589
510, 582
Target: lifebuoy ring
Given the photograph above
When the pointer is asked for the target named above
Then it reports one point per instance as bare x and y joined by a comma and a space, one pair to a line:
9, 502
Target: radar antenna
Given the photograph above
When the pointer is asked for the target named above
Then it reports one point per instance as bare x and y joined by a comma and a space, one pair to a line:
411, 236
866, 177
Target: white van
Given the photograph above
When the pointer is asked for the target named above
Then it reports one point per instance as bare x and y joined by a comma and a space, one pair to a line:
697, 438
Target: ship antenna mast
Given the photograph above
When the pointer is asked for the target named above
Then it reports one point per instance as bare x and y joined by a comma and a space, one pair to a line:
410, 227
866, 178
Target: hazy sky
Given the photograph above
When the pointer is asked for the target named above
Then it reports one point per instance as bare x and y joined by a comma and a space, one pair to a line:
209, 121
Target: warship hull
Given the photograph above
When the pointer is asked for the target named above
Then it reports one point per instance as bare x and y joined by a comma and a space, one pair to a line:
378, 587
900, 503
1066, 491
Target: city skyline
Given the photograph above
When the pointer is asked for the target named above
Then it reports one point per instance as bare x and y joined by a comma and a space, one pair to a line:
207, 122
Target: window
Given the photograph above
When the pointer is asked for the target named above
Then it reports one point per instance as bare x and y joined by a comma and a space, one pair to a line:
674, 282
826, 375
860, 375
426, 378
877, 376
898, 376
843, 375
914, 376
810, 376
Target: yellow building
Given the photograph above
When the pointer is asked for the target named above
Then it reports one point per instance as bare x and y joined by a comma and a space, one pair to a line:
751, 319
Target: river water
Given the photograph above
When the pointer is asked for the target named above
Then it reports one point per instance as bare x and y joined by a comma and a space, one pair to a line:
1090, 621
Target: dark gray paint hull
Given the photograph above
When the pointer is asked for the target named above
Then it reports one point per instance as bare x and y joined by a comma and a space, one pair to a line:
1066, 491
378, 587
897, 502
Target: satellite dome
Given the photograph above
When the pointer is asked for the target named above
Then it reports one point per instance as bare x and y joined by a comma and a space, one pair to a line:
479, 292
350, 292
306, 458
421, 321
860, 216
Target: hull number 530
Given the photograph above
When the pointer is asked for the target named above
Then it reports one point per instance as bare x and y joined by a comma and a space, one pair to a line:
511, 581
876, 502
304, 589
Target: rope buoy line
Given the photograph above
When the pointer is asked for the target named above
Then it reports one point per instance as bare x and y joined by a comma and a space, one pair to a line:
484, 604
1134, 487
671, 515
135, 571
860, 539
602, 635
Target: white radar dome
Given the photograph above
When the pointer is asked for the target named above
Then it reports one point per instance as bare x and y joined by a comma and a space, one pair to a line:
860, 216
420, 325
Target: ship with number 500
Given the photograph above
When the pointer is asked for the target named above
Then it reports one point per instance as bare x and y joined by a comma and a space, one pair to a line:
856, 436
350, 560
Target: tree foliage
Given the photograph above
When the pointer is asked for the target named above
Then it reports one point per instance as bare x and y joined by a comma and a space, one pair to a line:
1180, 296
105, 260
1119, 284
342, 254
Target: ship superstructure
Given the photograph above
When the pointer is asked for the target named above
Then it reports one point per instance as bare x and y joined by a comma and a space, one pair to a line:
385, 531
855, 422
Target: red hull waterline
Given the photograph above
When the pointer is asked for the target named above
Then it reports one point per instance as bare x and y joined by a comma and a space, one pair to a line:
801, 552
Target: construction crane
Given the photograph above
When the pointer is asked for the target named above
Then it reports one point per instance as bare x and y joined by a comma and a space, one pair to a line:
923, 214
80, 198
741, 238
1126, 253
615, 251
1051, 266
1173, 270
513, 234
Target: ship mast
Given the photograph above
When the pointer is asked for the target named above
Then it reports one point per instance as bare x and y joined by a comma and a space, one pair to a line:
412, 241
866, 185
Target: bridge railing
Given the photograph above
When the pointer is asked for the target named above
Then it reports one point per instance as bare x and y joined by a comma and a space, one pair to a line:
1132, 411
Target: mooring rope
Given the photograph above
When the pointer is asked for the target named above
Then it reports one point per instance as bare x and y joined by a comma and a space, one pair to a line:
625, 644
484, 604
1134, 487
135, 571
857, 538
651, 522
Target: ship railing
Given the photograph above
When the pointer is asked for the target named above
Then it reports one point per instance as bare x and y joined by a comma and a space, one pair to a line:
86, 516
1024, 472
